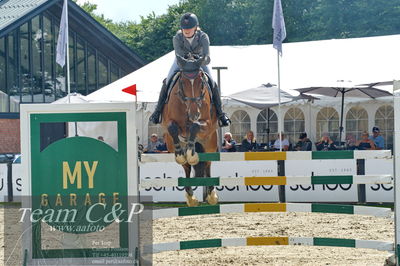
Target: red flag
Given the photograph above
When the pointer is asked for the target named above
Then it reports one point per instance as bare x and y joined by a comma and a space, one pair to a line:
131, 89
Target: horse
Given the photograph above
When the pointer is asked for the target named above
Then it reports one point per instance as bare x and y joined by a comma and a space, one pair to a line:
190, 125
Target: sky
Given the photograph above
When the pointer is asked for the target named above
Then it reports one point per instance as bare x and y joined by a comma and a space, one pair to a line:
130, 10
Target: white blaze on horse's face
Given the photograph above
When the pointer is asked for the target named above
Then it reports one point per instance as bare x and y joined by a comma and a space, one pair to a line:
194, 113
192, 92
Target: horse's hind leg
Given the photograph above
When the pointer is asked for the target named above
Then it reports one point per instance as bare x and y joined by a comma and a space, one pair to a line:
191, 155
191, 200
212, 197
173, 130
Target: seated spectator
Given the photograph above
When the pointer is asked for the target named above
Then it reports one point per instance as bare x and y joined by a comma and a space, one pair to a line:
304, 143
281, 142
325, 144
365, 143
153, 144
249, 143
350, 142
162, 148
377, 138
228, 145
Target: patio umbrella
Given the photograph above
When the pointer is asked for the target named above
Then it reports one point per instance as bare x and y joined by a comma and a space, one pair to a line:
341, 89
261, 97
265, 97
379, 83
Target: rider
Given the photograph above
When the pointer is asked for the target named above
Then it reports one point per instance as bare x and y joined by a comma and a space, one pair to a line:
191, 46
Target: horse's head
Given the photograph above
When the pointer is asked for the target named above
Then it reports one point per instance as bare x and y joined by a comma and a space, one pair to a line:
192, 90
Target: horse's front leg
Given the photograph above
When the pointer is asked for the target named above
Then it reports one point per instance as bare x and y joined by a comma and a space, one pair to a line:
191, 199
192, 156
173, 130
212, 197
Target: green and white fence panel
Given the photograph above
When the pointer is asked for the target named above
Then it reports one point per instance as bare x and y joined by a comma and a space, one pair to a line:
273, 241
273, 207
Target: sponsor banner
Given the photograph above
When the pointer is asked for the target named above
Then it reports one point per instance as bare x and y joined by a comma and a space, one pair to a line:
17, 181
242, 169
225, 193
3, 182
298, 193
379, 192
321, 193
164, 171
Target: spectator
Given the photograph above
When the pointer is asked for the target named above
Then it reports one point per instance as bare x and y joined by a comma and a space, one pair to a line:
365, 143
229, 145
377, 139
153, 144
325, 144
304, 143
350, 142
281, 142
162, 148
249, 143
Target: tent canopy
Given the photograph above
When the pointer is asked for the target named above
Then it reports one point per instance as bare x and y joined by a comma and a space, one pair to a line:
261, 97
303, 64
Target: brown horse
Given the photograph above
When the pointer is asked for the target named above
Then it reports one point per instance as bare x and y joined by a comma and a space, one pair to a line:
190, 124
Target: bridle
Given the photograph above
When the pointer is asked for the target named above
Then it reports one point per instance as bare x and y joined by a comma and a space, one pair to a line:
188, 100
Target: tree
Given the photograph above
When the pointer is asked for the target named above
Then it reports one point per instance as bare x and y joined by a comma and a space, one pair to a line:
246, 22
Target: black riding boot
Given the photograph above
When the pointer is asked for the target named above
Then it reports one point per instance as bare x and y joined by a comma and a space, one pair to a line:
223, 119
155, 117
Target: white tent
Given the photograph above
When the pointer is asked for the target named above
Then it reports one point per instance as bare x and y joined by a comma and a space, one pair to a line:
303, 64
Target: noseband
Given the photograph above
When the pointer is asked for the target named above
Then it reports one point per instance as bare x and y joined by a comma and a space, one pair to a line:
198, 100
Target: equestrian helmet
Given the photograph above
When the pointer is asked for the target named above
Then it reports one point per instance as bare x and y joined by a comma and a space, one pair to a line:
189, 20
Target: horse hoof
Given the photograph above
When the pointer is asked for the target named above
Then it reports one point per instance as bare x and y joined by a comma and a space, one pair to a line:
180, 159
192, 157
191, 201
212, 198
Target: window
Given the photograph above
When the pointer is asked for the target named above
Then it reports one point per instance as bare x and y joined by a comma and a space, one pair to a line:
37, 75
72, 62
328, 122
48, 74
103, 71
267, 120
122, 73
92, 69
25, 69
240, 125
356, 122
13, 88
293, 124
81, 66
114, 72
384, 120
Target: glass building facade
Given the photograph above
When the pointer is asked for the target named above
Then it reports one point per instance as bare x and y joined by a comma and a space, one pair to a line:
29, 72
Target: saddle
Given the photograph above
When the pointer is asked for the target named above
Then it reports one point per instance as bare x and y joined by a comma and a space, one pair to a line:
191, 74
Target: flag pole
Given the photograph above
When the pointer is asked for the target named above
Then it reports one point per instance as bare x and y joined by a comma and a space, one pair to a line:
62, 52
67, 52
278, 25
279, 103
